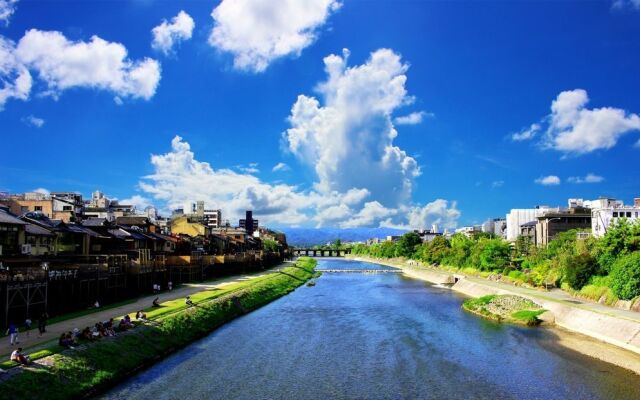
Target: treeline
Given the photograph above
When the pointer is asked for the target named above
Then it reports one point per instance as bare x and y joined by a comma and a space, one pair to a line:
608, 266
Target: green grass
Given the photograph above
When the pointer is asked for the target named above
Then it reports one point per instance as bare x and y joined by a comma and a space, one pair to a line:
480, 301
82, 372
529, 317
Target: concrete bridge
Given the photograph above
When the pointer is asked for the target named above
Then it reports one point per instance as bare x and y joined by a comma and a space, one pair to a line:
321, 252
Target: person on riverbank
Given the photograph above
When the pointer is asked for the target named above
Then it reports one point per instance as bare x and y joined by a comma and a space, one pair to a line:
188, 302
12, 331
155, 302
20, 358
42, 323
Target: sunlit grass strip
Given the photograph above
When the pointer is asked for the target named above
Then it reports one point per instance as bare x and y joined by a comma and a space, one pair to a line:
82, 372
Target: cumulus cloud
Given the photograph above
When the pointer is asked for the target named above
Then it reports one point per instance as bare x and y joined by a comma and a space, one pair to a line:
43, 191
34, 121
7, 9
280, 167
572, 128
138, 201
257, 32
63, 64
179, 178
166, 35
526, 134
497, 184
348, 139
15, 79
411, 119
589, 178
550, 180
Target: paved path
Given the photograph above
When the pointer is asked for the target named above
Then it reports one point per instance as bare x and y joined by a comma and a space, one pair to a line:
561, 296
55, 330
556, 295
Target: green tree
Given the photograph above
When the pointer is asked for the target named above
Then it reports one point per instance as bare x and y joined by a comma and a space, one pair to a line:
406, 246
337, 244
578, 269
621, 238
494, 254
270, 245
625, 276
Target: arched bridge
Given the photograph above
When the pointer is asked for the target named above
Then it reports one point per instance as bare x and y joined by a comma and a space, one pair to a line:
321, 252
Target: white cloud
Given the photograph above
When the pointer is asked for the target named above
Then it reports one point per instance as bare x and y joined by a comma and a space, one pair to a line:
550, 180
412, 119
251, 169
497, 184
139, 202
44, 191
64, 64
15, 79
166, 35
180, 178
280, 167
34, 121
257, 32
526, 134
7, 9
575, 129
589, 178
622, 4
349, 139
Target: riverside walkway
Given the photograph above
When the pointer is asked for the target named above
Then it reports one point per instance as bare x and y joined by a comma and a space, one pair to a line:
33, 341
362, 271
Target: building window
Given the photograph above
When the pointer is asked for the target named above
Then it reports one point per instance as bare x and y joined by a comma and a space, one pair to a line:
66, 208
615, 214
37, 208
628, 214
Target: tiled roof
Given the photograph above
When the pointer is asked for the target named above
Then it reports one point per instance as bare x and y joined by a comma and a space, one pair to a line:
6, 218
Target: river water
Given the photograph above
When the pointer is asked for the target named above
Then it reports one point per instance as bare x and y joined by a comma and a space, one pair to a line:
376, 336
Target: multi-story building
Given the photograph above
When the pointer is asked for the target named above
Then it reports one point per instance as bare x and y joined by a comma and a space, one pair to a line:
469, 230
606, 212
19, 204
519, 216
551, 223
248, 223
213, 218
67, 206
496, 226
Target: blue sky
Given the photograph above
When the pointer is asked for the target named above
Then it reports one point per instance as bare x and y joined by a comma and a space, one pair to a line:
476, 73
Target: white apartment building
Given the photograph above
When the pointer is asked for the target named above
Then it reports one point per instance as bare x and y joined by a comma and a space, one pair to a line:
519, 216
213, 218
606, 211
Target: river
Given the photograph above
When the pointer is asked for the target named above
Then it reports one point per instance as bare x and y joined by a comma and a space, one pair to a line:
375, 336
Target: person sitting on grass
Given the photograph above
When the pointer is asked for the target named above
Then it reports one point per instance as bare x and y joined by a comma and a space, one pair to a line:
20, 358
127, 320
155, 302
66, 341
88, 335
122, 326
141, 316
188, 302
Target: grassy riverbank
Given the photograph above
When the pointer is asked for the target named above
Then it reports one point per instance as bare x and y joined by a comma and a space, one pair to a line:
94, 367
505, 308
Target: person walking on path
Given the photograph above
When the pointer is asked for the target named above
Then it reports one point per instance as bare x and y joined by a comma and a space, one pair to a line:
27, 325
13, 334
42, 323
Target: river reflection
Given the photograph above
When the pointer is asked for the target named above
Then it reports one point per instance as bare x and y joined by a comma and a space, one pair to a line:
375, 336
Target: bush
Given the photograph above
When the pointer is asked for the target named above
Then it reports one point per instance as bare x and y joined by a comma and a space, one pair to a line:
579, 269
625, 276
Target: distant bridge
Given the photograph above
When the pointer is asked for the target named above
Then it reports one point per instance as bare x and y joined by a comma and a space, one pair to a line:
362, 271
321, 252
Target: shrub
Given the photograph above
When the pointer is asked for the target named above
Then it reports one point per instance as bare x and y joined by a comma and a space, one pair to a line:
579, 269
625, 276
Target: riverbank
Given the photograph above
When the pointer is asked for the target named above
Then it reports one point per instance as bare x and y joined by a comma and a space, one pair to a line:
93, 367
595, 323
506, 308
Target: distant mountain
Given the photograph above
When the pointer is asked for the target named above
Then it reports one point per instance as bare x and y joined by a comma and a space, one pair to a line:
301, 237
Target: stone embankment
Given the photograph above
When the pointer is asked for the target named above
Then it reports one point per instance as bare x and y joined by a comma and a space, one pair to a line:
610, 325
